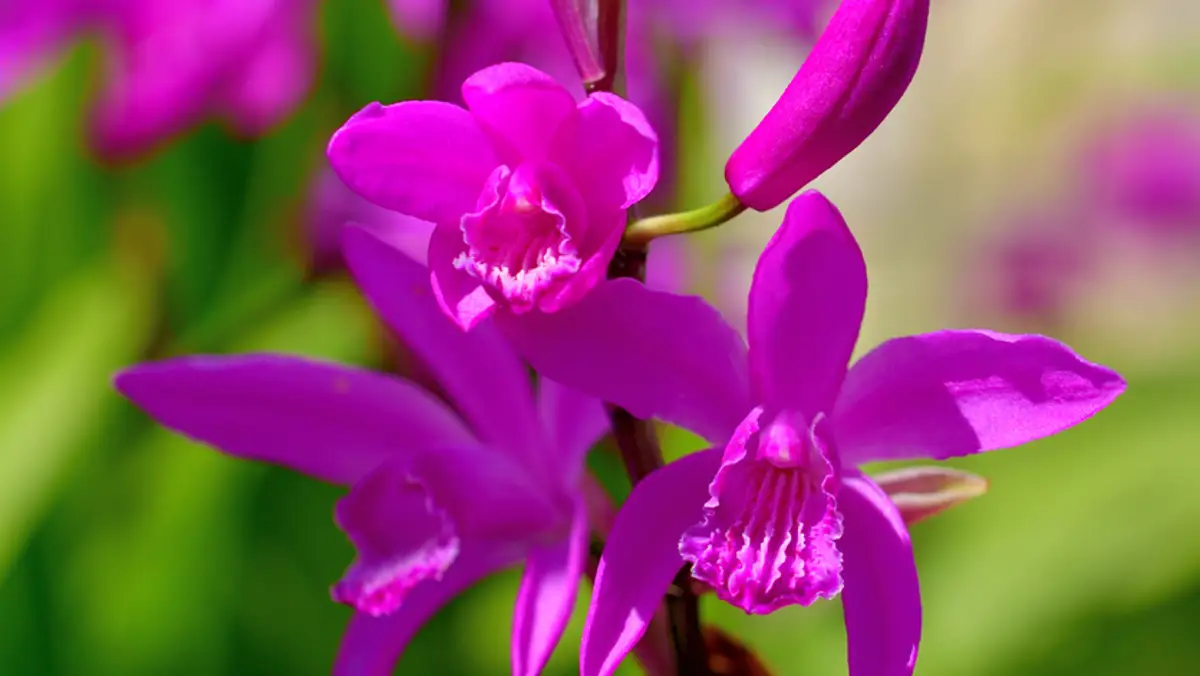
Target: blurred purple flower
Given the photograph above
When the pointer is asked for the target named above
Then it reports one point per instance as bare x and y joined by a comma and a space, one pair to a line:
784, 515
440, 498
175, 62
528, 189
1033, 266
334, 207
856, 73
1145, 172
30, 32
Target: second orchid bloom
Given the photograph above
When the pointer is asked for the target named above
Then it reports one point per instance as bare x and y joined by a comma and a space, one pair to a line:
526, 186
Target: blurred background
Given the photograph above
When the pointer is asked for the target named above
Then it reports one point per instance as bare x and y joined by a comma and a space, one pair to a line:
1042, 174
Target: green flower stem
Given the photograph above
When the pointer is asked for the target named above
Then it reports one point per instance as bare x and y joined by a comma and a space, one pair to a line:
643, 231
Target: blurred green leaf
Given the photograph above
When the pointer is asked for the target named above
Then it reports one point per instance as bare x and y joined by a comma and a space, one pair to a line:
54, 388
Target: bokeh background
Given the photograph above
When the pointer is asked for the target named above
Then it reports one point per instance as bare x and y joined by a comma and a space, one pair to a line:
995, 196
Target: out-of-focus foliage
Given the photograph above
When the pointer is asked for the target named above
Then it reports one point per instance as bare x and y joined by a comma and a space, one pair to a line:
125, 550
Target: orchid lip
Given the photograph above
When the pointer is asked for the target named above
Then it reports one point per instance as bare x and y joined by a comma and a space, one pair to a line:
519, 243
769, 531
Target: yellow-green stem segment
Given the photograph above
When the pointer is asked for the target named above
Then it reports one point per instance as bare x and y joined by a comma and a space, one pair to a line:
710, 216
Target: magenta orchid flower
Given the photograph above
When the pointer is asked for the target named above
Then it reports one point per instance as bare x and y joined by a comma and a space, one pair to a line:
175, 62
439, 497
783, 515
856, 73
527, 187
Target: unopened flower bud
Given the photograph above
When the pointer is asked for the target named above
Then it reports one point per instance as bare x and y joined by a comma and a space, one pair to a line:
857, 71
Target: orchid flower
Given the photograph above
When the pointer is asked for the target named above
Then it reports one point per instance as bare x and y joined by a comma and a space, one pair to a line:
527, 187
782, 515
439, 497
175, 62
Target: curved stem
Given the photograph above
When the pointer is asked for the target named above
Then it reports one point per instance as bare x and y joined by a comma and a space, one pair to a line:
641, 232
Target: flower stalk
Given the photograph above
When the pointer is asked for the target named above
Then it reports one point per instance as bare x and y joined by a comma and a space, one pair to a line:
710, 216
579, 28
610, 31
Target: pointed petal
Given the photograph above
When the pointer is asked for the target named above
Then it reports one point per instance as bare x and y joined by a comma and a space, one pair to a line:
478, 370
547, 596
641, 557
882, 597
427, 159
952, 393
332, 422
574, 422
520, 104
853, 77
610, 149
656, 354
372, 645
806, 307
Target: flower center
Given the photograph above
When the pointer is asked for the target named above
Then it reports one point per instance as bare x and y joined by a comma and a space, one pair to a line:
519, 240
767, 539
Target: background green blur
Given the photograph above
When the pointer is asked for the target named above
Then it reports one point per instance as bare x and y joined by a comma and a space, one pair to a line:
125, 550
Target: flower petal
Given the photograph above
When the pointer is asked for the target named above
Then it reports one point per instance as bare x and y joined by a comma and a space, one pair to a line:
403, 538
574, 422
478, 370
427, 159
409, 518
520, 104
29, 35
274, 78
806, 306
419, 19
882, 597
333, 206
547, 596
951, 393
610, 149
653, 353
332, 422
372, 645
461, 297
641, 557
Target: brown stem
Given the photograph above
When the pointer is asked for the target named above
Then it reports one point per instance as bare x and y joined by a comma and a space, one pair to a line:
683, 608
610, 32
641, 455
635, 439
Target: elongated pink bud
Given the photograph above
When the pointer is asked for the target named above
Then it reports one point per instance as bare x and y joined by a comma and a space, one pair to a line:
857, 71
